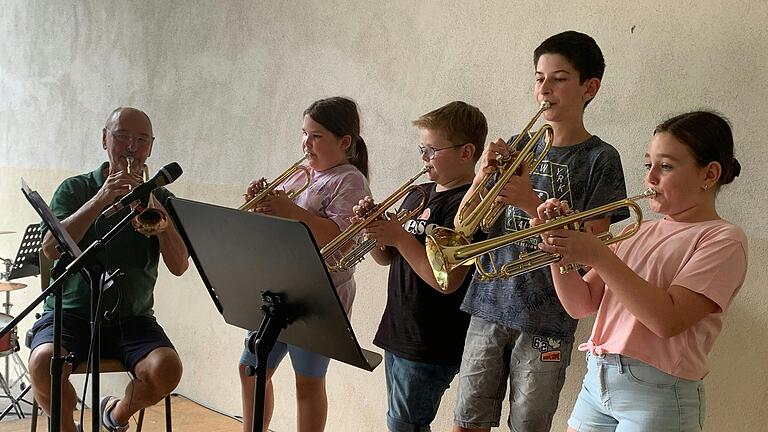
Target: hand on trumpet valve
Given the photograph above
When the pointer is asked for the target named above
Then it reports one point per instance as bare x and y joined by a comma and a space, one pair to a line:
255, 187
278, 204
518, 191
551, 209
495, 152
362, 209
576, 246
116, 185
386, 231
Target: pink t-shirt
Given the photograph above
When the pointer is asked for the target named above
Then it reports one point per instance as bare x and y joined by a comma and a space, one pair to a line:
709, 258
332, 194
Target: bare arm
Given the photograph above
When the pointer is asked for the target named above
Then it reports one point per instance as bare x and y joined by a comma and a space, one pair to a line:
172, 247
579, 296
665, 311
382, 256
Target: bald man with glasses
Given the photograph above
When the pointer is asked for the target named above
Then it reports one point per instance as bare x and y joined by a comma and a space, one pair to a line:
129, 330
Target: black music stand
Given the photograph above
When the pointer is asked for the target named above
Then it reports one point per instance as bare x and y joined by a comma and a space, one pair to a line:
27, 263
265, 274
72, 261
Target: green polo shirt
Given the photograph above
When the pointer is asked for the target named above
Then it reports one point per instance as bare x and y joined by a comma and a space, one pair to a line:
135, 255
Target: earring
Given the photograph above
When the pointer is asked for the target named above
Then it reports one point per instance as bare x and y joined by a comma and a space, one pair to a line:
705, 187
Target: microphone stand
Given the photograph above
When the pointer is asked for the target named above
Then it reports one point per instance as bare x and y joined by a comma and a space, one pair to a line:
87, 264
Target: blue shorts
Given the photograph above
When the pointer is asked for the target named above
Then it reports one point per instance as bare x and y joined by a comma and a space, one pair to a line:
129, 341
304, 362
621, 393
414, 390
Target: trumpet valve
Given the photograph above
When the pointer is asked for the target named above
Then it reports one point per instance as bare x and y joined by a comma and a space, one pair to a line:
570, 267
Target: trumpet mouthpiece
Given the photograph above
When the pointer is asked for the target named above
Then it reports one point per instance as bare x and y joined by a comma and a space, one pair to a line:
545, 104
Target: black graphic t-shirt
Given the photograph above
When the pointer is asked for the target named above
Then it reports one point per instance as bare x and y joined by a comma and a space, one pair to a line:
419, 323
587, 175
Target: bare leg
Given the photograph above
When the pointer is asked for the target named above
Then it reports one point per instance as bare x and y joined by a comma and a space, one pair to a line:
157, 375
312, 402
248, 392
40, 375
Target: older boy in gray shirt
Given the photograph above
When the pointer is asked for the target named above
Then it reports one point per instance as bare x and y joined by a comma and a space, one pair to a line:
519, 330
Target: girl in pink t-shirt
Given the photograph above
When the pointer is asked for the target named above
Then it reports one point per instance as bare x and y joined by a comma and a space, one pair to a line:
659, 295
338, 166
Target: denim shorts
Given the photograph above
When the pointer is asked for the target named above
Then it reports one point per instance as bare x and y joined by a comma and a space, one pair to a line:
414, 390
621, 393
534, 365
304, 362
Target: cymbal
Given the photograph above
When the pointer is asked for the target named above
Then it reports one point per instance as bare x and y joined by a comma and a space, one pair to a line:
10, 286
7, 232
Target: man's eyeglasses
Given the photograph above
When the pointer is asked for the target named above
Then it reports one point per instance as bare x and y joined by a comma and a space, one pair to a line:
124, 137
429, 152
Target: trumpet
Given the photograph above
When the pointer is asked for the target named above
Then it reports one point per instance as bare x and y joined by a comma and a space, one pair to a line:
487, 210
358, 252
151, 221
444, 254
270, 187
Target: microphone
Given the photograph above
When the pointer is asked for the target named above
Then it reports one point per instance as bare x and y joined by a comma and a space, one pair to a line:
167, 174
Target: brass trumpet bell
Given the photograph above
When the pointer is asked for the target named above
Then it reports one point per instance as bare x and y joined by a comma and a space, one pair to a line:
151, 221
442, 237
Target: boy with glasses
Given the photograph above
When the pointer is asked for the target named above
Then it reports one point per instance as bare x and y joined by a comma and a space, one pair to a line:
422, 330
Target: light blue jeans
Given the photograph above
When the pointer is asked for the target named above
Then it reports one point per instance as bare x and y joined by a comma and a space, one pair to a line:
626, 395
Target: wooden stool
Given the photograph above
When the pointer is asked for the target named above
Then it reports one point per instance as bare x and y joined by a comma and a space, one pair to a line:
109, 365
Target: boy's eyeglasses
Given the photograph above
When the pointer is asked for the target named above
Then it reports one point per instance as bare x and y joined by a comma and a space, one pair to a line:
429, 152
125, 137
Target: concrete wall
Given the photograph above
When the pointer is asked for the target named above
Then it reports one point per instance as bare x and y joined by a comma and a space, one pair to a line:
225, 83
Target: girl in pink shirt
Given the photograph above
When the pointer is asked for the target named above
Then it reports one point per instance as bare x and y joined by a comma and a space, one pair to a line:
338, 167
659, 295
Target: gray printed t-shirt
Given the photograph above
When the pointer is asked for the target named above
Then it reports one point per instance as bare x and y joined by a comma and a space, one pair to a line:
586, 175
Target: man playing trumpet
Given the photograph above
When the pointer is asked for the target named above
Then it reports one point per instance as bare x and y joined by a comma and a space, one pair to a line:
129, 330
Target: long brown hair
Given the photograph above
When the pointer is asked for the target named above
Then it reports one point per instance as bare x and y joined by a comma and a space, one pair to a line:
339, 115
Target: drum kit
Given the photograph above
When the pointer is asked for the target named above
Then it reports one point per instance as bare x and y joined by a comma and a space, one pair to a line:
9, 344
